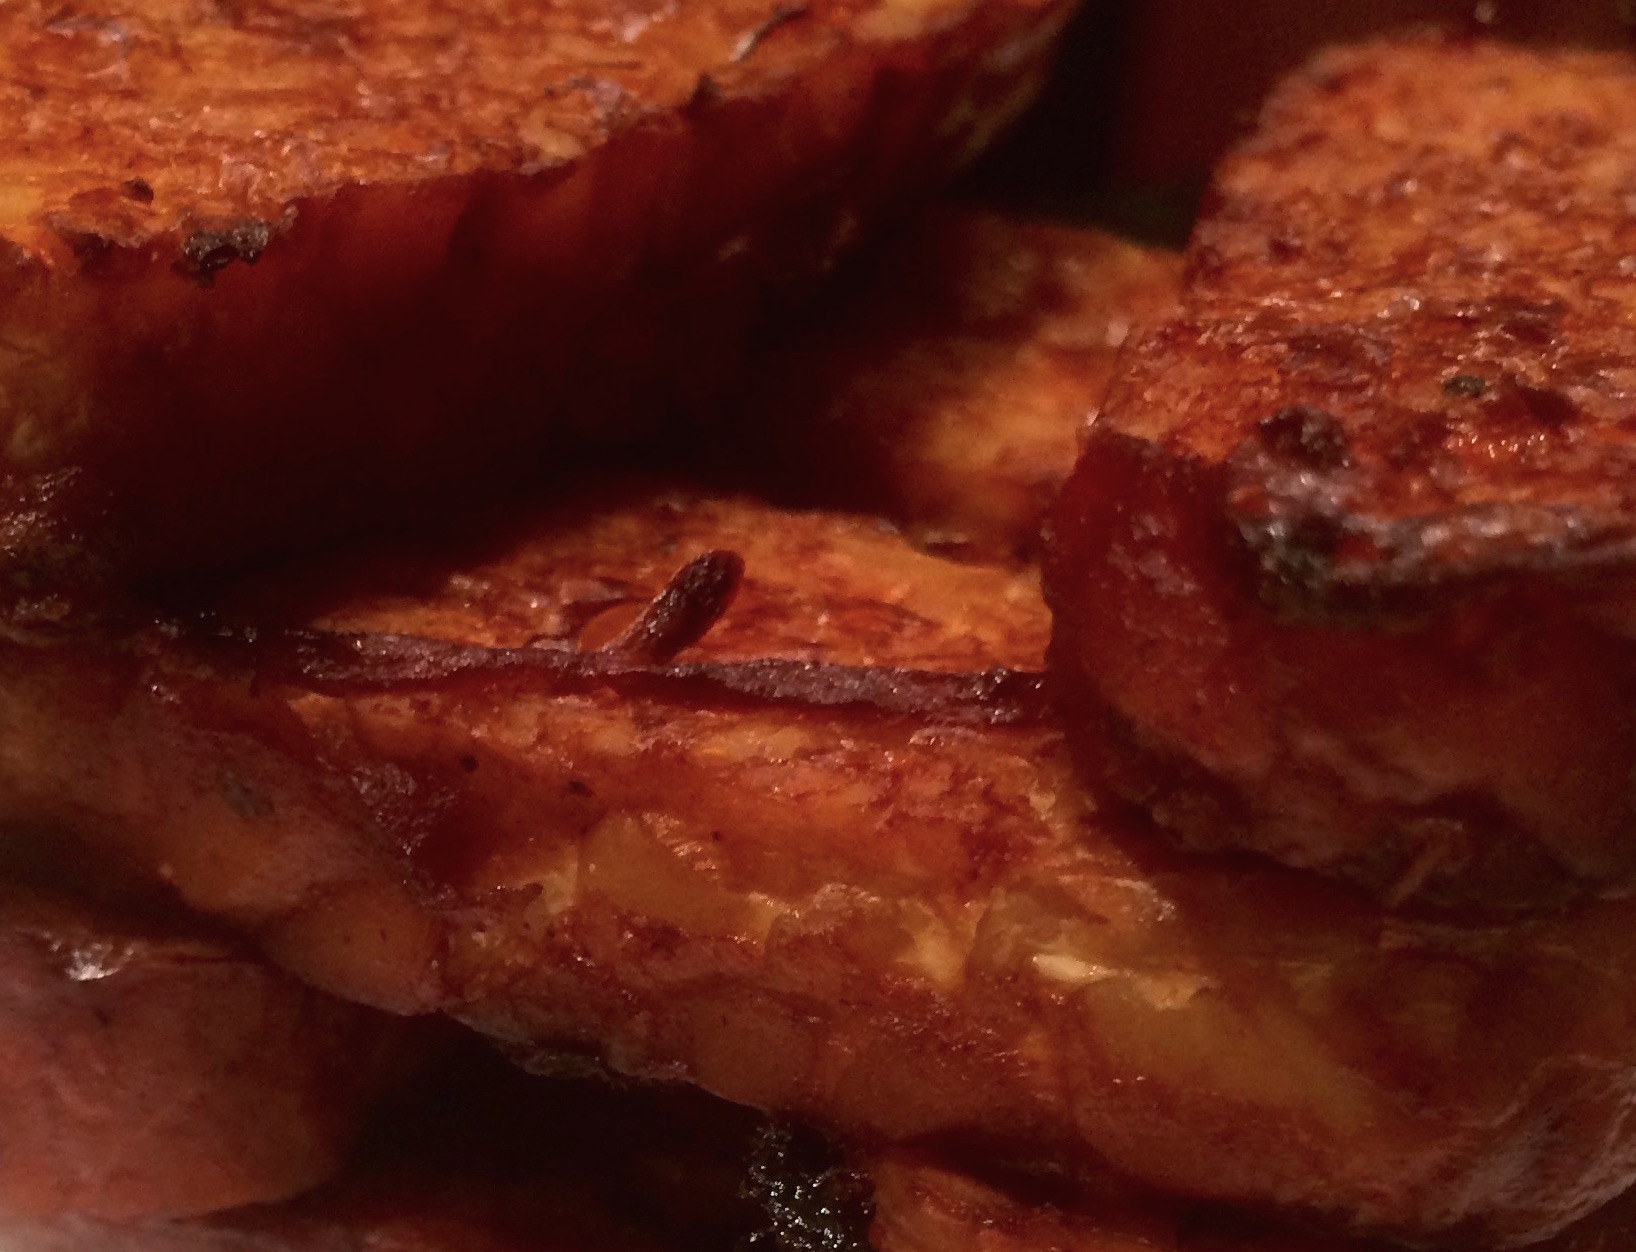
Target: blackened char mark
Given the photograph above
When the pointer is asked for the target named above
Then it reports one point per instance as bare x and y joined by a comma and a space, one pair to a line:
1286, 485
208, 251
1305, 437
1302, 505
372, 664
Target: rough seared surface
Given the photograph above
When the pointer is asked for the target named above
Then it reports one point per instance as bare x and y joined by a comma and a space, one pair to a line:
948, 383
152, 1070
882, 904
1344, 574
274, 269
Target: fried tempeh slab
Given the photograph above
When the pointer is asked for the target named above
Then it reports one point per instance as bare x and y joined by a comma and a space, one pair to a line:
148, 1070
947, 383
817, 852
1345, 573
278, 268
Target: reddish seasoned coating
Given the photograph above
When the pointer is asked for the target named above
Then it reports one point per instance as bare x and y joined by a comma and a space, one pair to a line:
149, 1070
273, 269
876, 898
948, 383
1344, 574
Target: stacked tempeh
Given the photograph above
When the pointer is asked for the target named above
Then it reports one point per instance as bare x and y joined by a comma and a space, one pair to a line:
774, 801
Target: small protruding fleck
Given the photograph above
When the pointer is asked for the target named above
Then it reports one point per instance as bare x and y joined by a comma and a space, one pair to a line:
1470, 386
679, 616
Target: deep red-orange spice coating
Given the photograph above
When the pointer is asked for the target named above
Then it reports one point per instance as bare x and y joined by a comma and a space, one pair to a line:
886, 906
270, 270
1344, 576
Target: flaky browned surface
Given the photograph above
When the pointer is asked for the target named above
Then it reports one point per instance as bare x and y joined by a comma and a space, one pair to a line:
149, 1071
842, 588
882, 904
948, 382
1344, 574
274, 269
922, 1205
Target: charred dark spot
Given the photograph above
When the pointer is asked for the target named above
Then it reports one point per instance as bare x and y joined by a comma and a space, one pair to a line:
811, 1201
1305, 436
1468, 385
88, 246
1548, 408
469, 764
206, 252
138, 189
578, 788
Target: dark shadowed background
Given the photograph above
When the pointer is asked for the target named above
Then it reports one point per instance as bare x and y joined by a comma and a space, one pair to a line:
1149, 92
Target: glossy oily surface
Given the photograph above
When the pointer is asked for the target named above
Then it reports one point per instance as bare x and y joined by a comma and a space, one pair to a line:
152, 1070
1343, 576
274, 271
819, 867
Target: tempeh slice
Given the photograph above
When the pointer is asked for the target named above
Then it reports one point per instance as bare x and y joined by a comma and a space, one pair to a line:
1345, 574
828, 859
151, 1069
274, 270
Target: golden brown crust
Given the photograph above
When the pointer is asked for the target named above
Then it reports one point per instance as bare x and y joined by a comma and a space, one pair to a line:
273, 269
876, 917
948, 384
1423, 241
844, 588
1343, 575
203, 130
149, 1071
